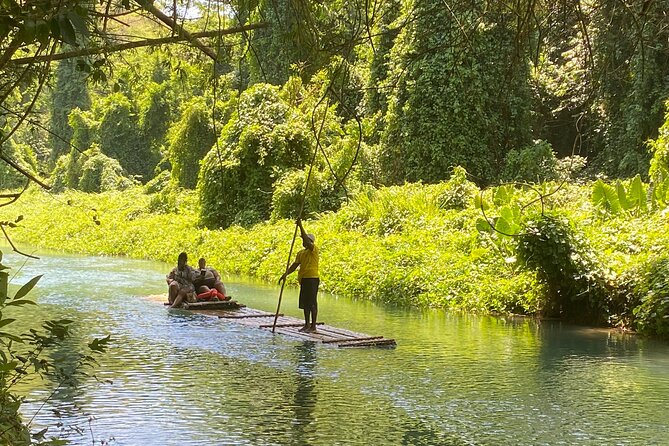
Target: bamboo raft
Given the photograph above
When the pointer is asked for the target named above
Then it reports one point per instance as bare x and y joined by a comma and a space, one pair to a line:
287, 325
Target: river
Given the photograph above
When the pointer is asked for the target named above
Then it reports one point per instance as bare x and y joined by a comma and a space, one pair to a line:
175, 378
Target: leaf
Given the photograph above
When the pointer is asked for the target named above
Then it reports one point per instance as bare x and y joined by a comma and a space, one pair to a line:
78, 22
502, 225
502, 195
27, 33
605, 197
8, 366
482, 225
638, 194
67, 32
622, 196
25, 289
480, 203
18, 303
4, 322
4, 334
507, 213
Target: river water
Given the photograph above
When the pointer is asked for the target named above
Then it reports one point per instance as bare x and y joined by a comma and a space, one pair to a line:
175, 378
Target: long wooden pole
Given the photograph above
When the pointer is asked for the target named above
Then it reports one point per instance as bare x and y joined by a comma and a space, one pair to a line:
299, 215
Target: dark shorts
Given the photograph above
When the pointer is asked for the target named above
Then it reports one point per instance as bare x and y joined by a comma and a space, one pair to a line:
308, 293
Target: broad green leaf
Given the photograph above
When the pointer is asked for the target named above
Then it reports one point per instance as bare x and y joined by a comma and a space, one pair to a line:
482, 225
25, 289
507, 213
638, 194
503, 195
622, 196
67, 30
605, 197
42, 31
503, 226
481, 203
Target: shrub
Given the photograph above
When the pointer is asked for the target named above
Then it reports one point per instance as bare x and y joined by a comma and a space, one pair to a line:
458, 192
263, 139
651, 291
535, 163
576, 286
90, 171
21, 154
99, 173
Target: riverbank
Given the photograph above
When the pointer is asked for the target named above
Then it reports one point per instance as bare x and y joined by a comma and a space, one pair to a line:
398, 245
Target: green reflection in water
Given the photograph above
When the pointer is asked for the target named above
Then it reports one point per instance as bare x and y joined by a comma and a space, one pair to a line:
187, 379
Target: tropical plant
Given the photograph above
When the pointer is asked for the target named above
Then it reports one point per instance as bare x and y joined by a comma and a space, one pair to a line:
24, 357
631, 199
577, 286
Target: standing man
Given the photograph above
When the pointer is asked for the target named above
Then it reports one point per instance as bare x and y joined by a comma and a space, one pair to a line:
307, 260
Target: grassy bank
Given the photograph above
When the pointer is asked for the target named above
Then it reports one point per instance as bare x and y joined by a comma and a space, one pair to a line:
412, 245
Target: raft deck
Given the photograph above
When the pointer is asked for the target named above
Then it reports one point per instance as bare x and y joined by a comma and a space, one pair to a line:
288, 325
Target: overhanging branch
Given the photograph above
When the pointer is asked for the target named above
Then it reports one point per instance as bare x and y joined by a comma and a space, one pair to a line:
138, 44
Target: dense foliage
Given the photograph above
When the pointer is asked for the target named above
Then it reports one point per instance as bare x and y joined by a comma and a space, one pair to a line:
263, 138
191, 138
419, 245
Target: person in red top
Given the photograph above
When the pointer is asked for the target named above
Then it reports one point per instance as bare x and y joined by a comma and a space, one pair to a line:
208, 282
307, 261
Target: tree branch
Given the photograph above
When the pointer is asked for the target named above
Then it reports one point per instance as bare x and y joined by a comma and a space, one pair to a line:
139, 44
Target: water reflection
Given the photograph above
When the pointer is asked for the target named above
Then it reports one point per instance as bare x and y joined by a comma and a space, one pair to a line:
305, 399
186, 379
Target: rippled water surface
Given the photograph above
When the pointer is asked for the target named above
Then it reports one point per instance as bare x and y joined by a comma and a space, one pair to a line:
186, 379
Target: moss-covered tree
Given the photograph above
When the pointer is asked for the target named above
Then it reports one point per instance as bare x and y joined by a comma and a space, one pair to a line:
449, 107
120, 136
263, 138
190, 140
70, 91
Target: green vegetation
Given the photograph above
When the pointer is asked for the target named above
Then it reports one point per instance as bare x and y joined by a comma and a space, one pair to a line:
397, 114
25, 356
418, 245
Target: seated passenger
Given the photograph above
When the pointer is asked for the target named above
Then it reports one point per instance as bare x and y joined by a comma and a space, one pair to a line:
208, 283
180, 283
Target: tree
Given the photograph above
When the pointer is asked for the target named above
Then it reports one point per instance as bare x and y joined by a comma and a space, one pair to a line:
191, 139
38, 31
70, 92
263, 138
447, 108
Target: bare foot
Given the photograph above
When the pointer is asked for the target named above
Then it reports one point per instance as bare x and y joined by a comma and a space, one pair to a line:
312, 329
304, 328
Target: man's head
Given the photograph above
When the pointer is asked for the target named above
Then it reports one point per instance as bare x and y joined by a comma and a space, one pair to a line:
202, 263
311, 237
182, 259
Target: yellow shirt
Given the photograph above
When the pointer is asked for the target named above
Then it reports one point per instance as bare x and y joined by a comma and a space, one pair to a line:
308, 260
